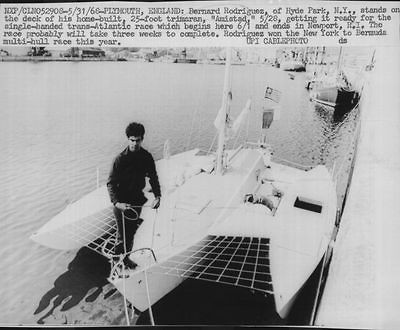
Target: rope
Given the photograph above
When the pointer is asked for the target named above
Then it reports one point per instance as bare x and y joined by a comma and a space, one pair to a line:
154, 228
136, 216
212, 144
123, 268
148, 298
191, 130
247, 128
145, 273
252, 98
124, 217
238, 136
112, 240
194, 117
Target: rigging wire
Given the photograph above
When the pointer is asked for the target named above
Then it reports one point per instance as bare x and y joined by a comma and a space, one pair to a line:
124, 271
148, 298
247, 129
252, 96
238, 135
212, 143
195, 115
145, 272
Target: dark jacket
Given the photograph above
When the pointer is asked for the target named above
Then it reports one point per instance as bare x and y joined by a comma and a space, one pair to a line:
127, 177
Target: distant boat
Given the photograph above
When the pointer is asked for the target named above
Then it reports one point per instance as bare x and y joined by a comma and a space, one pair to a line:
166, 59
186, 60
334, 90
371, 65
293, 65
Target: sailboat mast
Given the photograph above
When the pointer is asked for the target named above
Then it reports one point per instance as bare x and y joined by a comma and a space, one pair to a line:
315, 61
226, 100
339, 61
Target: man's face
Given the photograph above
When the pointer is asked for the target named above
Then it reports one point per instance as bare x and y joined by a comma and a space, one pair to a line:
134, 143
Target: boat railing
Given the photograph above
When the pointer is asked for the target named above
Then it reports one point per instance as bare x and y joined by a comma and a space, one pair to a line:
203, 152
146, 249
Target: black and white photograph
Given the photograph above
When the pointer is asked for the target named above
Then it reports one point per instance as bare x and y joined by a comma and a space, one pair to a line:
199, 186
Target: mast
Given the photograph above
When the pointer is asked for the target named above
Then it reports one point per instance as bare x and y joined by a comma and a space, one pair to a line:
340, 74
339, 61
226, 100
315, 61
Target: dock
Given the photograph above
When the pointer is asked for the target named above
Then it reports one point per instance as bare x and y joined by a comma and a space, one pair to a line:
363, 284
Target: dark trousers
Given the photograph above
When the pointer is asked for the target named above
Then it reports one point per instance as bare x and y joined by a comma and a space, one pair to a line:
131, 227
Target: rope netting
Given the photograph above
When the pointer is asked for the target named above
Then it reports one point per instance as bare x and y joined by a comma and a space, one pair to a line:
232, 260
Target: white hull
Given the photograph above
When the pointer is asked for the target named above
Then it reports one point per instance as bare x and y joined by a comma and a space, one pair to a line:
79, 223
141, 293
91, 216
298, 237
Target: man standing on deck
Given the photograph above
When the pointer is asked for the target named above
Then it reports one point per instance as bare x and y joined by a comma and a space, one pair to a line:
126, 183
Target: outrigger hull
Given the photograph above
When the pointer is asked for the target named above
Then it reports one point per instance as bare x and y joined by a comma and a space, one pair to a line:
145, 289
91, 217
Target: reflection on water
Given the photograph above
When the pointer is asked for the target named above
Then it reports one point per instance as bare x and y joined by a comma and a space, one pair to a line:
61, 121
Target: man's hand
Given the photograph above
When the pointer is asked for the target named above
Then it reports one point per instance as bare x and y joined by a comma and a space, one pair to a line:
122, 206
156, 203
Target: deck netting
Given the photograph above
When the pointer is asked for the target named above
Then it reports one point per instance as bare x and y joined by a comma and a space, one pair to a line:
232, 260
98, 232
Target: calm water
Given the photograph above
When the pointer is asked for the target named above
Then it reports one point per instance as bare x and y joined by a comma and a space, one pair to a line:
62, 121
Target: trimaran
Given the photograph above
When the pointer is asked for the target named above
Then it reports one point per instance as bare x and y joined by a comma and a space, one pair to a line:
235, 217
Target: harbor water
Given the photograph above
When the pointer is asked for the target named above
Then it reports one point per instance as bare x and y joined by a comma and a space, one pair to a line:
62, 123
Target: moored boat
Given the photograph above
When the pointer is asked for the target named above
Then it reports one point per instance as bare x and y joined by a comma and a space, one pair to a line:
340, 99
293, 65
333, 90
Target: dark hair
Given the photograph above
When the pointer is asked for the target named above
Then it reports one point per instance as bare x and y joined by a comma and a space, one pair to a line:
134, 129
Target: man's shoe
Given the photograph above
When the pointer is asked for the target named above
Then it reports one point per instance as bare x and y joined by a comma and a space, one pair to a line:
129, 263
